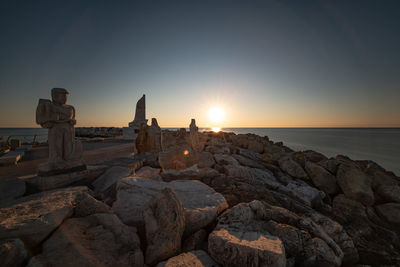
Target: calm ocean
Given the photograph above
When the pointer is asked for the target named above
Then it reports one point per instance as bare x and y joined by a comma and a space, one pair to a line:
381, 145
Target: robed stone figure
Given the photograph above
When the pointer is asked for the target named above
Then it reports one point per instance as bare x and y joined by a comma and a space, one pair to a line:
65, 153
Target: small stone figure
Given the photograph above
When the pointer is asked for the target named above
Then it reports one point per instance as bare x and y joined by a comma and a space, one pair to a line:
65, 153
194, 136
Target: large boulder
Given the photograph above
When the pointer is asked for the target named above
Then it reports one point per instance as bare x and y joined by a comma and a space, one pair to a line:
255, 146
201, 203
238, 248
390, 211
34, 217
321, 178
224, 159
355, 184
248, 162
389, 193
95, 240
109, 178
164, 223
196, 258
149, 173
293, 168
346, 210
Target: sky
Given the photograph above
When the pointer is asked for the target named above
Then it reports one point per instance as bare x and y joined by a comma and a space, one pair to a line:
263, 63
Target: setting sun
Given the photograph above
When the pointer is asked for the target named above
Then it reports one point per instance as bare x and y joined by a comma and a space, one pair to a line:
216, 114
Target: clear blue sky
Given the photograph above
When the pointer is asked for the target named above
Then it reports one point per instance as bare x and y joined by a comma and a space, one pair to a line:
265, 63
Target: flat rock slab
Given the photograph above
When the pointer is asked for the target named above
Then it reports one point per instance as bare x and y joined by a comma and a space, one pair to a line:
45, 183
95, 240
110, 177
11, 189
234, 248
200, 202
13, 253
34, 217
196, 258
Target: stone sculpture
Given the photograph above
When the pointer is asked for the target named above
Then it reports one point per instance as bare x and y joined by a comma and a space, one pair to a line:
131, 132
65, 153
194, 135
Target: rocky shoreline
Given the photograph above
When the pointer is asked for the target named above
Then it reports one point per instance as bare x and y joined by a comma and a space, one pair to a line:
205, 199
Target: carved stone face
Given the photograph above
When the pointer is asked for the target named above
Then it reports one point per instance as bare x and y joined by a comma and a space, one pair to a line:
60, 98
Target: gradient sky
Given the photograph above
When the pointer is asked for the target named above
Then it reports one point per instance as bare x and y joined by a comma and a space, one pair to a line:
266, 63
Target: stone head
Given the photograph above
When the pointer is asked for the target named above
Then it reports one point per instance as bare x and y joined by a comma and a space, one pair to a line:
59, 95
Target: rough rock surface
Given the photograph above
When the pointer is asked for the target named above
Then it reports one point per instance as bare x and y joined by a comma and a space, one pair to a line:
224, 159
33, 218
196, 258
13, 253
149, 172
201, 203
355, 184
321, 178
390, 211
110, 177
292, 168
96, 240
164, 223
239, 248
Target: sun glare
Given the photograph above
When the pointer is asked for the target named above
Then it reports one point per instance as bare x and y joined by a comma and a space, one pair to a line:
216, 114
216, 129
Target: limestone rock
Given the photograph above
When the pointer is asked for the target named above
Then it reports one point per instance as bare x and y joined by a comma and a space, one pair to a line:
248, 162
96, 240
236, 248
110, 177
346, 210
34, 217
191, 173
223, 159
164, 223
195, 241
149, 173
292, 168
86, 205
44, 183
321, 178
205, 160
11, 189
13, 253
355, 184
255, 146
194, 136
390, 211
196, 258
201, 203
177, 157
153, 137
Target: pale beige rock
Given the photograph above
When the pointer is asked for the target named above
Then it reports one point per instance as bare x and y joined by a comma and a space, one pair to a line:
196, 258
164, 223
153, 137
96, 240
355, 184
321, 178
65, 152
236, 248
200, 202
34, 217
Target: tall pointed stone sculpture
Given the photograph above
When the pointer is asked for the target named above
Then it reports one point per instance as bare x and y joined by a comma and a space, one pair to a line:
65, 153
194, 136
131, 132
